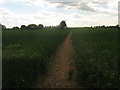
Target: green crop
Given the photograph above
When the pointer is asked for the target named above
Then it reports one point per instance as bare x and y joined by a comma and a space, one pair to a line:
27, 55
96, 57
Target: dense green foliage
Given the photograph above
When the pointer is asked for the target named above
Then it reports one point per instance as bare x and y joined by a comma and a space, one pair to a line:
62, 25
27, 55
96, 57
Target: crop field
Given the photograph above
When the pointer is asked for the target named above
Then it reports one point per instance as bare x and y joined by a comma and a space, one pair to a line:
60, 44
28, 54
96, 57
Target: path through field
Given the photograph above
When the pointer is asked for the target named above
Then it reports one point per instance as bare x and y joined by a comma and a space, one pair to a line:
58, 76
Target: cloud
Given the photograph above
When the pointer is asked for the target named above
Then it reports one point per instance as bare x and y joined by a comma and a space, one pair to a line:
82, 13
1, 1
88, 5
85, 7
33, 2
95, 20
46, 18
4, 11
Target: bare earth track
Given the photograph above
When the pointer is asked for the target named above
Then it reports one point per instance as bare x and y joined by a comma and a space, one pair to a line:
58, 74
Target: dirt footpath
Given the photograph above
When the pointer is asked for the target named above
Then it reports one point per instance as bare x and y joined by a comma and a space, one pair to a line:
59, 74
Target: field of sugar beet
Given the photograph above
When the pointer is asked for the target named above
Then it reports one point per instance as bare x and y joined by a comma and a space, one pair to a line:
29, 57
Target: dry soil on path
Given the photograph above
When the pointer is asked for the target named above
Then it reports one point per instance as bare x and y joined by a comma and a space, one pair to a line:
59, 73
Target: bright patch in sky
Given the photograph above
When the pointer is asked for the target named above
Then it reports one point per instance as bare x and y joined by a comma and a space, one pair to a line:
77, 13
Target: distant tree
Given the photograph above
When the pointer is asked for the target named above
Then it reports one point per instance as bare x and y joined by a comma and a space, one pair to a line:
103, 26
99, 26
117, 26
107, 26
15, 28
62, 25
32, 27
40, 26
23, 27
3, 27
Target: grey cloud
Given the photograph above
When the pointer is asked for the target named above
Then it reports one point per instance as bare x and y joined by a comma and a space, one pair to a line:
78, 5
63, 4
60, 5
86, 7
70, 3
3, 12
63, 1
100, 2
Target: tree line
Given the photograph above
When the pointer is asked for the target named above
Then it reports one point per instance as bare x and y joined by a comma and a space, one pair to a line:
61, 26
103, 26
24, 27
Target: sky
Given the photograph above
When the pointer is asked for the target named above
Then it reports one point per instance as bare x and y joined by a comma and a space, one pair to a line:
76, 13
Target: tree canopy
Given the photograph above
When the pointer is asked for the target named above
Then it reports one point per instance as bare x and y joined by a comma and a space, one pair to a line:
62, 25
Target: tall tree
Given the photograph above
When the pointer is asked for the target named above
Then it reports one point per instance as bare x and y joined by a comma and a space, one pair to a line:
62, 25
40, 26
117, 26
32, 27
3, 27
23, 27
15, 28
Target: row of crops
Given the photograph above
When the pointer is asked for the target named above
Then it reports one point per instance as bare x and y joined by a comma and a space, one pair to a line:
27, 55
96, 57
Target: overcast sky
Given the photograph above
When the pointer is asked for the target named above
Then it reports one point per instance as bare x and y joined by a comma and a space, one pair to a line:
76, 13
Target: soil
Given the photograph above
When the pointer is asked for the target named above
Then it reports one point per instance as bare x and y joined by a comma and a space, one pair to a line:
61, 72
